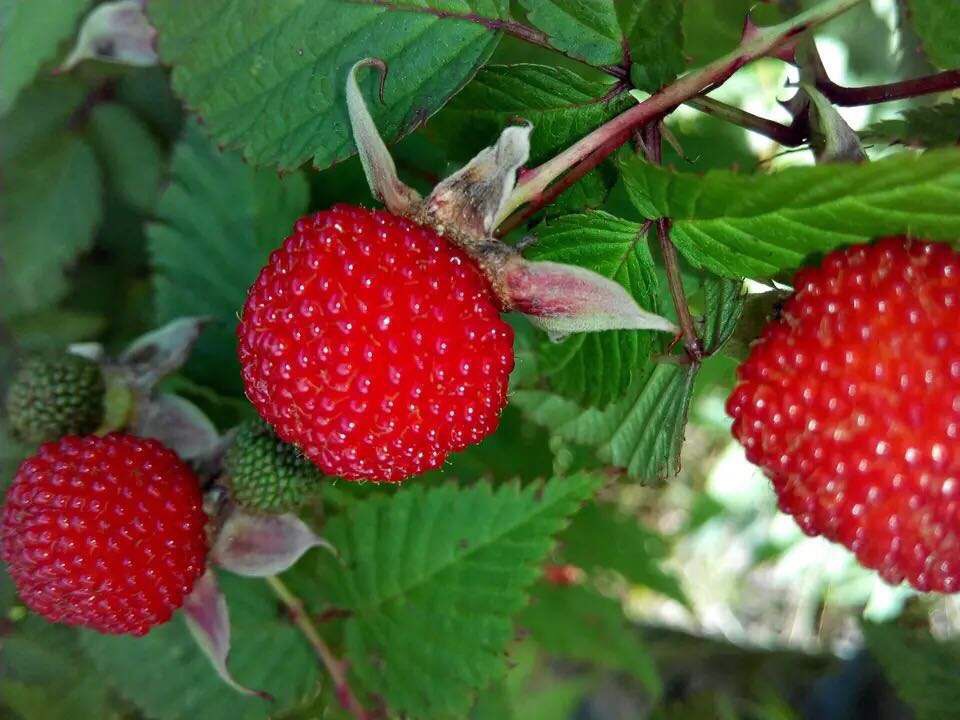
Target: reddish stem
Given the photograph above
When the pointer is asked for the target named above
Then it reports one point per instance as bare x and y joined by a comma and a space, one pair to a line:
873, 94
562, 185
600, 141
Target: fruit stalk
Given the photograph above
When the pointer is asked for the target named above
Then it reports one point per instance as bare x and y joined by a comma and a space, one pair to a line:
333, 665
764, 42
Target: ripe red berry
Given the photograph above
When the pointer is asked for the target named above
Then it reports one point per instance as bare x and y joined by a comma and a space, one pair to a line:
104, 532
850, 402
374, 345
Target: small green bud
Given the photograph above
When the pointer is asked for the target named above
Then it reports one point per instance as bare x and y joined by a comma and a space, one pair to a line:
266, 474
50, 397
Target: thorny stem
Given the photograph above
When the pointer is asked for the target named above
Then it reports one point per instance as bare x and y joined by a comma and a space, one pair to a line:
765, 41
651, 143
873, 94
334, 666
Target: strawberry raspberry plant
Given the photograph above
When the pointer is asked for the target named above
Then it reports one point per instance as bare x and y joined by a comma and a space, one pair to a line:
380, 359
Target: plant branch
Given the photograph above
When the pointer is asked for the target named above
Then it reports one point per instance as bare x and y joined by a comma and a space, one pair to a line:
334, 666
762, 43
787, 135
873, 94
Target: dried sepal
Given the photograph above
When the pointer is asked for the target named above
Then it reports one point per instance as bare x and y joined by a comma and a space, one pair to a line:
468, 204
178, 424
377, 163
160, 352
208, 619
117, 32
564, 299
262, 545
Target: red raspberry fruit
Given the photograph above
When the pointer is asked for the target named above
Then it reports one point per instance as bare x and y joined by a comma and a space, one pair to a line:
104, 532
374, 345
850, 402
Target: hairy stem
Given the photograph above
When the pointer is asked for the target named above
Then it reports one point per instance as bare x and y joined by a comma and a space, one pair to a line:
651, 143
671, 262
765, 41
334, 666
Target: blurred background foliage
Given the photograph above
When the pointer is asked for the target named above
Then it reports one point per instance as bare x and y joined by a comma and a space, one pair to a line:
693, 599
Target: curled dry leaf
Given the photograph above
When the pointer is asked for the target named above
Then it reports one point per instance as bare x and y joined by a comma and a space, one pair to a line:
377, 162
470, 201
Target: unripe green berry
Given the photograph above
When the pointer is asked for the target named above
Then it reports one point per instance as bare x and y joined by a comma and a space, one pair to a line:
50, 397
266, 474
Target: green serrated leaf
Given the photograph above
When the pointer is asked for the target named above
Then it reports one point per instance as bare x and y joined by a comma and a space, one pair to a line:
51, 203
600, 32
168, 677
217, 222
922, 670
580, 624
44, 675
130, 155
653, 30
585, 29
713, 28
929, 127
760, 225
724, 299
642, 431
600, 537
269, 77
30, 33
936, 22
431, 578
595, 368
561, 104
